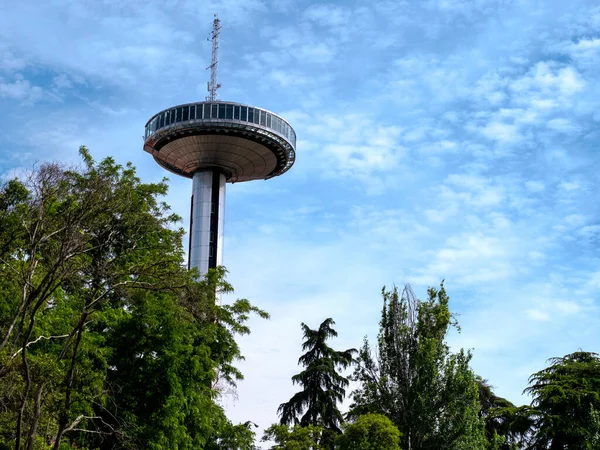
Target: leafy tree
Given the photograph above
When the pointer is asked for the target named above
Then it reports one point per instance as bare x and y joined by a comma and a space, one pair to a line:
163, 369
507, 427
294, 438
493, 410
429, 393
566, 401
323, 387
235, 437
106, 340
370, 432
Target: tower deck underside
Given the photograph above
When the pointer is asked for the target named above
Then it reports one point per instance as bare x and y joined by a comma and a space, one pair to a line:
239, 157
245, 143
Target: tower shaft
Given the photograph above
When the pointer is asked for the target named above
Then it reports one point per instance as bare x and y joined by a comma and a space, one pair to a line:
206, 220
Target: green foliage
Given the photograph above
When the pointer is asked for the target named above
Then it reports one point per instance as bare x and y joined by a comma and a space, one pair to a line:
429, 393
294, 438
563, 414
234, 437
106, 340
370, 432
566, 401
323, 387
499, 416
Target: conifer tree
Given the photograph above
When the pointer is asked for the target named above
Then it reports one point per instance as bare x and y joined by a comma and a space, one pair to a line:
566, 403
323, 387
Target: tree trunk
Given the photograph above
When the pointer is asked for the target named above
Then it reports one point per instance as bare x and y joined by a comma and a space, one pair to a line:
64, 417
36, 418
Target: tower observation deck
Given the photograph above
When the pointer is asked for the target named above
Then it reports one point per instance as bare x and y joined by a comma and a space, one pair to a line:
215, 142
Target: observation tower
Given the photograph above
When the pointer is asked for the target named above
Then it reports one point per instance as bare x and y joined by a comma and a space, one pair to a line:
216, 142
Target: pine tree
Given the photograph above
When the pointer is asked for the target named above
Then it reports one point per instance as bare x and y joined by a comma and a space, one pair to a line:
566, 401
323, 387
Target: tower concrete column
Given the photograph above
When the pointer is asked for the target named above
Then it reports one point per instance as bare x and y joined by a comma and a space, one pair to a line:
206, 220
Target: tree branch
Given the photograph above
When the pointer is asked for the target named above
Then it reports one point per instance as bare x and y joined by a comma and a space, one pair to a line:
37, 340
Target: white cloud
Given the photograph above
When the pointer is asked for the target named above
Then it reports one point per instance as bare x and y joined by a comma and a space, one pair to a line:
62, 81
286, 78
15, 172
567, 307
20, 90
351, 145
590, 231
536, 256
548, 309
468, 259
317, 53
563, 125
9, 62
585, 52
465, 8
570, 186
594, 280
328, 15
467, 181
547, 79
538, 315
535, 186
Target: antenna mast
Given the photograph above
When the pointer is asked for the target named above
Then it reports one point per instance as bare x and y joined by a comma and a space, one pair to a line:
214, 65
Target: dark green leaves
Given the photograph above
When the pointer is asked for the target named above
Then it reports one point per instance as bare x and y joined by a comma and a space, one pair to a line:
566, 401
323, 387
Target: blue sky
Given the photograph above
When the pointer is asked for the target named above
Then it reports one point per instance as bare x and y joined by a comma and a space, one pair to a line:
439, 139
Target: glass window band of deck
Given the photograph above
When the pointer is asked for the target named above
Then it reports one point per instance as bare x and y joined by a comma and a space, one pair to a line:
220, 110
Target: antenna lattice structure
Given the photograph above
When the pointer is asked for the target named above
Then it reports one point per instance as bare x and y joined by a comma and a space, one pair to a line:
214, 65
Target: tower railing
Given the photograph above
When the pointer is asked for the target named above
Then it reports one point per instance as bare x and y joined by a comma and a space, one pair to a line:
210, 112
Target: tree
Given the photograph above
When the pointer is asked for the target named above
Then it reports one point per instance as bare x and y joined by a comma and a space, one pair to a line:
565, 405
235, 437
106, 340
323, 387
370, 432
429, 393
495, 425
507, 427
294, 438
165, 364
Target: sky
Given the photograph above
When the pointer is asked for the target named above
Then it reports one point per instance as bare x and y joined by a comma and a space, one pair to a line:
437, 140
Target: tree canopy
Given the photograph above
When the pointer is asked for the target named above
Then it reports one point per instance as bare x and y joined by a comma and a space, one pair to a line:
295, 437
566, 403
370, 432
106, 340
322, 386
429, 393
